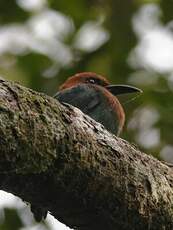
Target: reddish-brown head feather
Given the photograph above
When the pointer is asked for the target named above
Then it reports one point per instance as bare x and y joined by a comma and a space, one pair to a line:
83, 78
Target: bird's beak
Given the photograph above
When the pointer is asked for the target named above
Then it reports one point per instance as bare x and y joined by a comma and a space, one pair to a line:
122, 89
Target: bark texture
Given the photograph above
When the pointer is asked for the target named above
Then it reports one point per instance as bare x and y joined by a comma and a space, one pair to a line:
56, 157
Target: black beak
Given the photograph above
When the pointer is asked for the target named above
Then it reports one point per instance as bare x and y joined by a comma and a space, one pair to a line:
122, 89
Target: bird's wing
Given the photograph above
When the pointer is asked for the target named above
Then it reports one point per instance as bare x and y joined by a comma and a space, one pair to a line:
91, 101
82, 96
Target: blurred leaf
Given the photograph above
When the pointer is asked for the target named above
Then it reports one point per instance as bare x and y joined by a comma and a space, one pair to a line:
34, 64
167, 8
12, 220
77, 9
11, 12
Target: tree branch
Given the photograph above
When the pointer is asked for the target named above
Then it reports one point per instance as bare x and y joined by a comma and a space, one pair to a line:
56, 157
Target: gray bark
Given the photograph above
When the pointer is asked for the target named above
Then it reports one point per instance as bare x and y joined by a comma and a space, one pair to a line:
54, 156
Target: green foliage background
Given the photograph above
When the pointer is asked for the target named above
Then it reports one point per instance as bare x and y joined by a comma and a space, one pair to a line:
43, 60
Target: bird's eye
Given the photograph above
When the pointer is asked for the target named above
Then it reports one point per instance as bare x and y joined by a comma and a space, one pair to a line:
91, 80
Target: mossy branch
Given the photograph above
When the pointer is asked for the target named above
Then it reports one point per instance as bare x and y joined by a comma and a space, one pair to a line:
54, 156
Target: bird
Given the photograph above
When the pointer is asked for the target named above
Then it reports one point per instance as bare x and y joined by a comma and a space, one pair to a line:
95, 96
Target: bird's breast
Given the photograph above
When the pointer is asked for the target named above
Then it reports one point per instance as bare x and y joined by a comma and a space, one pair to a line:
97, 102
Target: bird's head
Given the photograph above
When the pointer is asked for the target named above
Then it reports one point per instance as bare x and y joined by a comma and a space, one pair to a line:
95, 79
